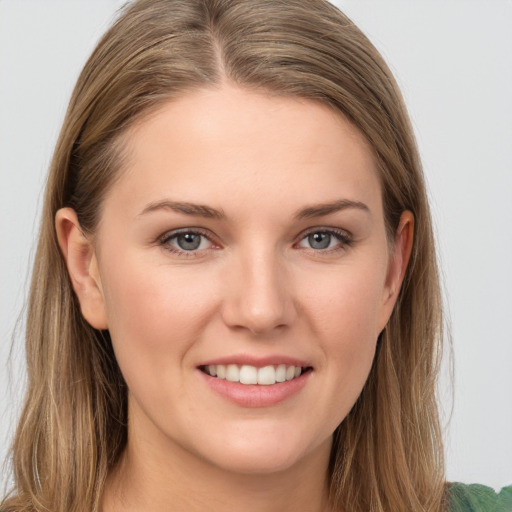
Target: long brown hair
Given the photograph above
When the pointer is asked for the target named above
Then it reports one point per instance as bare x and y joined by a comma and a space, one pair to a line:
387, 454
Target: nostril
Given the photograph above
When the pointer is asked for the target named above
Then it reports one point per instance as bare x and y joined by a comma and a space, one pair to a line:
257, 297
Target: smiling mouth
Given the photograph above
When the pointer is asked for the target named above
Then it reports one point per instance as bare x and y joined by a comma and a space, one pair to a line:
251, 375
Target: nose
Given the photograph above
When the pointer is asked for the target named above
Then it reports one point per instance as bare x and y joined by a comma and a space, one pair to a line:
259, 295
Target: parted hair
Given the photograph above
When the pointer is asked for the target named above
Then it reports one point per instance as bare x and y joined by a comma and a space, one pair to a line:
387, 454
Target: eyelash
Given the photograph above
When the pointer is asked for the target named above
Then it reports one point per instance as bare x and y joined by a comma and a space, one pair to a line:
165, 240
344, 238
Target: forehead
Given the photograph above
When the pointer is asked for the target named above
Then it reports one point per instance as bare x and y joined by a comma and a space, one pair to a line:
229, 145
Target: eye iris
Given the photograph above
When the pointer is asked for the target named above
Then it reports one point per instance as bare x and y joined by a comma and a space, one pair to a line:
319, 240
189, 241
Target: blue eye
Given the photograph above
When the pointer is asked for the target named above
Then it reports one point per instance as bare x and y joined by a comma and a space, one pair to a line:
319, 240
324, 239
186, 241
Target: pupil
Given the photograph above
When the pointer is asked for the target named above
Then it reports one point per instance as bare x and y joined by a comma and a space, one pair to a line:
189, 241
319, 240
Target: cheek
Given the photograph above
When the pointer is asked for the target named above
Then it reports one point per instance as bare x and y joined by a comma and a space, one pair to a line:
344, 310
154, 313
346, 302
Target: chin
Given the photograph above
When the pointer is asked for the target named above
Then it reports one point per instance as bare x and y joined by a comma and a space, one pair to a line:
260, 463
265, 452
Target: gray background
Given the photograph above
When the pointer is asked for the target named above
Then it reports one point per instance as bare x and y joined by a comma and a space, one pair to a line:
453, 61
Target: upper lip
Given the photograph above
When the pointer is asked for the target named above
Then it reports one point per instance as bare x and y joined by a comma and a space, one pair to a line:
257, 361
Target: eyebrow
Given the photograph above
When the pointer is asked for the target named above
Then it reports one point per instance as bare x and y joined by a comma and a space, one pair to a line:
320, 210
199, 210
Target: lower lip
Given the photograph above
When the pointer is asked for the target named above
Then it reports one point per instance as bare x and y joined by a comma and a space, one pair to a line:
247, 395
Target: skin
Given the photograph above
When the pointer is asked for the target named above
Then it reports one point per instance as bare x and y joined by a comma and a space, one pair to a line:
256, 286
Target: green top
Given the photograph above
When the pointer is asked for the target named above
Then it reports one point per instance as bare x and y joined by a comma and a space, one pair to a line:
478, 498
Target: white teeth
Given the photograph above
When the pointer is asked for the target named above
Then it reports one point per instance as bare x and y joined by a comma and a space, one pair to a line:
232, 373
221, 371
267, 376
281, 373
247, 374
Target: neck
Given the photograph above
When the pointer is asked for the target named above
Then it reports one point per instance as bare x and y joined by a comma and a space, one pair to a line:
149, 478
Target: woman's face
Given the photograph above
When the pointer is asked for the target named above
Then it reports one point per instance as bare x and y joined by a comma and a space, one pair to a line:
244, 240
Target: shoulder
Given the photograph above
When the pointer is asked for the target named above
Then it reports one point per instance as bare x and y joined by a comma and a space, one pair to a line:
478, 498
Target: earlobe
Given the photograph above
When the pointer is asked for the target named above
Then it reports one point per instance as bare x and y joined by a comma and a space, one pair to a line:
80, 257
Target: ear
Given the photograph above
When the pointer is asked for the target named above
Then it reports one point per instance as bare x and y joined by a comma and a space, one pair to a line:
80, 257
401, 253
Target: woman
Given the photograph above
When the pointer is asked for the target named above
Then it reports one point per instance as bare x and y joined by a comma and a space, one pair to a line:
235, 300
